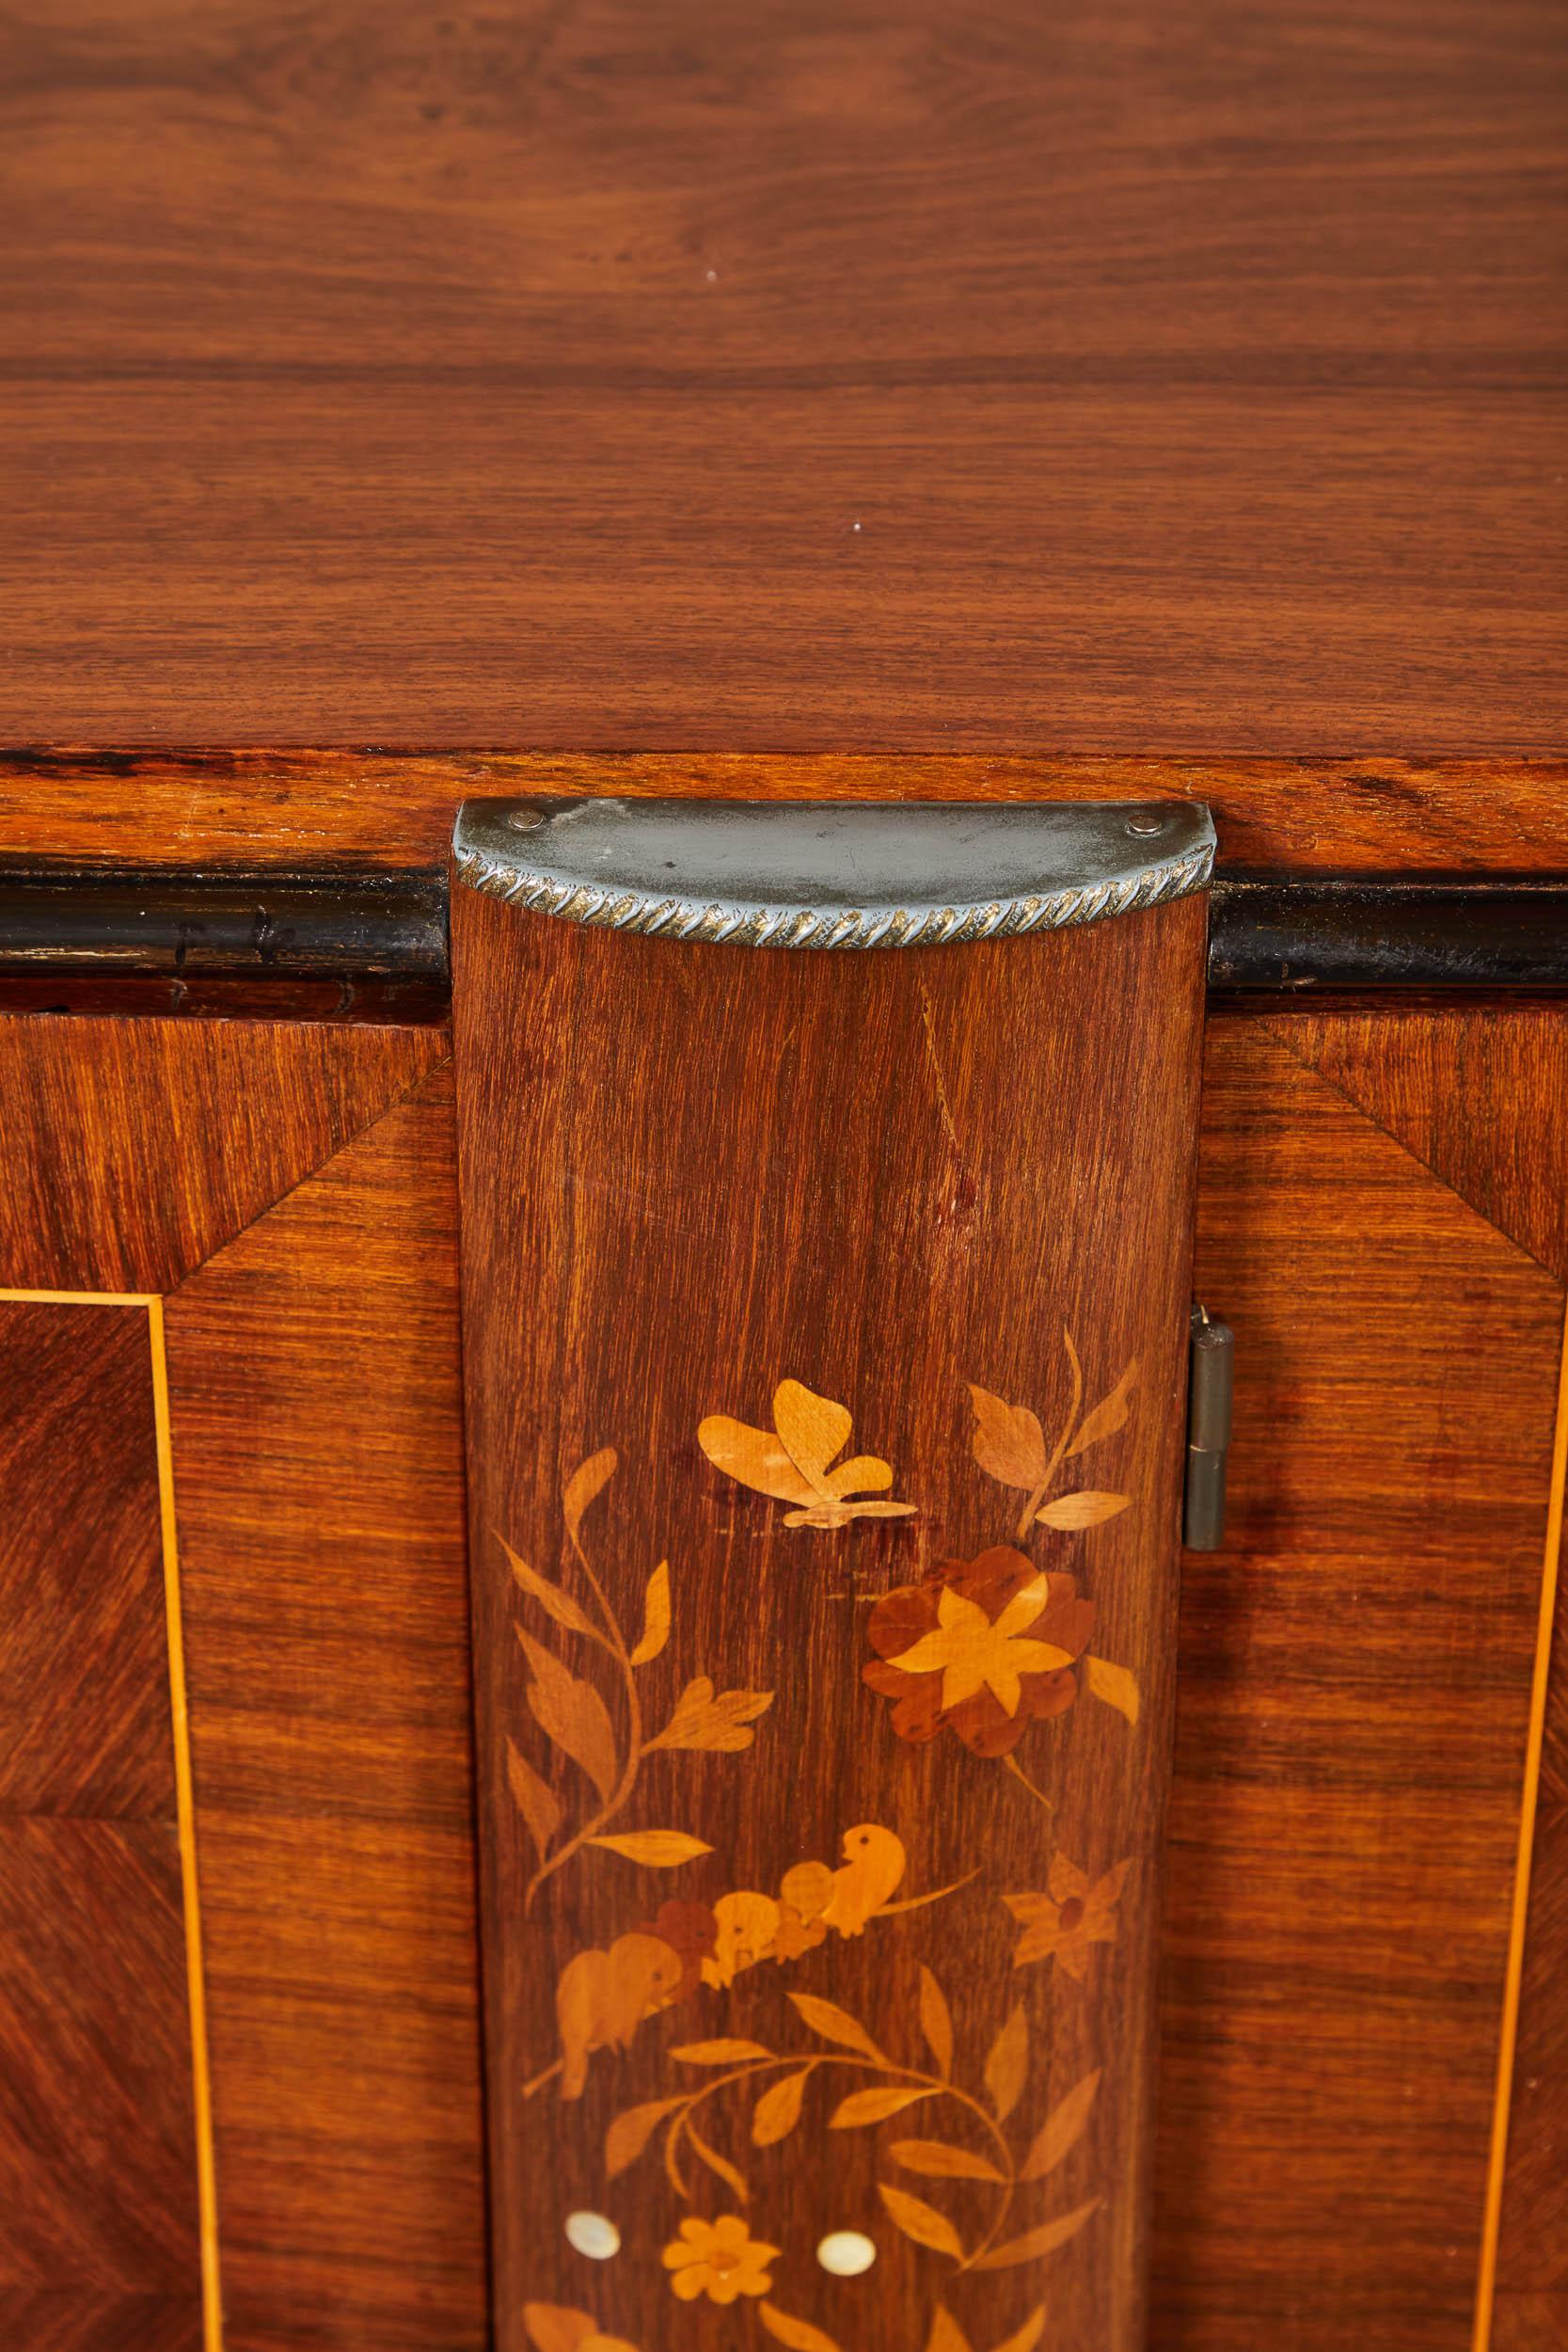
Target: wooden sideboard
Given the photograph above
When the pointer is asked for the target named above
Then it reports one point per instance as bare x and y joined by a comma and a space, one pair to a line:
235, 1437
680, 403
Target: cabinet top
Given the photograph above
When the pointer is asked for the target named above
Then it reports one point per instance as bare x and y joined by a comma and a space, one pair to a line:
1143, 379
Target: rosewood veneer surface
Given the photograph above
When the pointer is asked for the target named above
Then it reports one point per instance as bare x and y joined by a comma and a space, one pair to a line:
1148, 377
98, 2159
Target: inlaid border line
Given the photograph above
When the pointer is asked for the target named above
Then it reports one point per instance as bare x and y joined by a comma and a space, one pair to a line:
206, 2169
1530, 1798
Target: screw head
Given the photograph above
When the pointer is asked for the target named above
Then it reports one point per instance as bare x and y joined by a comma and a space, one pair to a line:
525, 819
1146, 824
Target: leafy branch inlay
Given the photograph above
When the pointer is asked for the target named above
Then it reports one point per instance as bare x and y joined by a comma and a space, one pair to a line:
572, 1712
1009, 1445
782, 2079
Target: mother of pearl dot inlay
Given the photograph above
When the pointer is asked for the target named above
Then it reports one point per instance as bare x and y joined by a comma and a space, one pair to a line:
847, 2253
593, 2235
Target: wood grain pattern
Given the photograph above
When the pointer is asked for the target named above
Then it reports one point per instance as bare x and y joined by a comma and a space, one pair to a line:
135, 1149
97, 2173
1532, 2239
97, 2157
679, 1205
1354, 1677
1479, 1094
389, 809
45, 2322
1534, 2246
1529, 2323
83, 1655
318, 1464
1154, 379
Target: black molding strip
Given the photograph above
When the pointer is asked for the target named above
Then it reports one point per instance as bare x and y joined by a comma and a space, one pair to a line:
265, 929
1387, 931
257, 926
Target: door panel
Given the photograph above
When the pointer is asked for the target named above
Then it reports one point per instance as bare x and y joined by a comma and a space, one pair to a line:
293, 1192
318, 1469
1356, 1678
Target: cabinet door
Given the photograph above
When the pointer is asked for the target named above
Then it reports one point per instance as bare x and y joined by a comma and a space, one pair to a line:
1363, 1682
826, 1243
239, 2097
